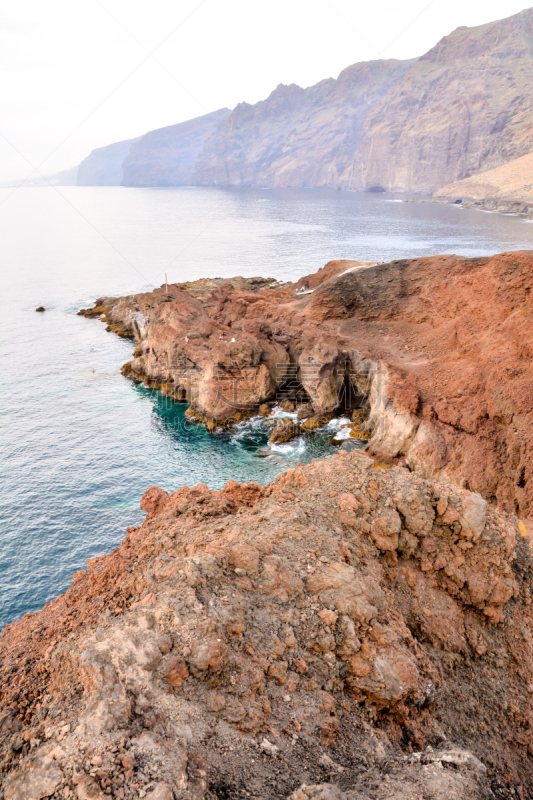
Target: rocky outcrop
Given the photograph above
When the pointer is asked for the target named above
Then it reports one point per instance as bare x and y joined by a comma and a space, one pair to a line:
167, 156
507, 189
103, 166
437, 353
164, 157
409, 126
346, 632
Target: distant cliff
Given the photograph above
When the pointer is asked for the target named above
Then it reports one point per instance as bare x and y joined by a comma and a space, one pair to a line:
412, 126
298, 137
464, 107
103, 166
405, 126
167, 156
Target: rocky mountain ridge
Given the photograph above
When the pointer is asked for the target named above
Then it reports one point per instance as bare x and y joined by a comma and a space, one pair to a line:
402, 126
298, 137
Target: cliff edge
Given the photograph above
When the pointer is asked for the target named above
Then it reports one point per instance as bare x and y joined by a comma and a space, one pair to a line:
401, 126
361, 628
435, 354
345, 633
167, 156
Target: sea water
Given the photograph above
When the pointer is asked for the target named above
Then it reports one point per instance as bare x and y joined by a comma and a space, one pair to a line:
80, 443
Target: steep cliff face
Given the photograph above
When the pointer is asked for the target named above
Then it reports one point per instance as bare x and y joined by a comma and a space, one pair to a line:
406, 126
166, 157
297, 137
103, 166
464, 107
413, 126
440, 347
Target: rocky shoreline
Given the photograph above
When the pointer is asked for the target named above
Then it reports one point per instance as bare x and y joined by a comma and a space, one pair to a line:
507, 189
432, 355
361, 628
516, 207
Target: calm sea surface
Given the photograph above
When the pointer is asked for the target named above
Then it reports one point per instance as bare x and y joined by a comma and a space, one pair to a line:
80, 443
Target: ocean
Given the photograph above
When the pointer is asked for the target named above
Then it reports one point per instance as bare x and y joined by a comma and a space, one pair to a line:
80, 443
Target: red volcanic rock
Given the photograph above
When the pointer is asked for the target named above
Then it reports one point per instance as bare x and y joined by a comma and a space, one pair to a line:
153, 501
344, 630
438, 352
455, 340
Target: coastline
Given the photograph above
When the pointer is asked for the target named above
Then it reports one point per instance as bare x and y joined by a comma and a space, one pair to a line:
366, 603
507, 189
516, 208
399, 347
240, 631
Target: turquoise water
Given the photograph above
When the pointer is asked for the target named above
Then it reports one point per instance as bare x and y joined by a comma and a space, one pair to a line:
80, 443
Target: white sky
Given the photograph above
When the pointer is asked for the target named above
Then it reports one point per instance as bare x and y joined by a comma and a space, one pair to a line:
79, 75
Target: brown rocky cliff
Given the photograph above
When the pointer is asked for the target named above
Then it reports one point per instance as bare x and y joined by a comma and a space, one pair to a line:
408, 126
454, 338
439, 351
297, 137
464, 107
166, 156
508, 188
357, 630
413, 126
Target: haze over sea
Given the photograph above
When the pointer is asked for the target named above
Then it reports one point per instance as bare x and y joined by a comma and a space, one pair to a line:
81, 443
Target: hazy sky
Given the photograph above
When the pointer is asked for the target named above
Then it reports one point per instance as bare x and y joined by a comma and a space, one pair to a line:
79, 75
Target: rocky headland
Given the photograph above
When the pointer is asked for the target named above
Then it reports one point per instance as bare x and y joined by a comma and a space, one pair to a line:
433, 355
507, 189
103, 166
167, 156
361, 628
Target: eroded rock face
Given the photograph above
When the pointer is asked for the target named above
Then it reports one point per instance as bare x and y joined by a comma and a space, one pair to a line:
166, 156
345, 629
413, 126
454, 113
438, 350
297, 137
